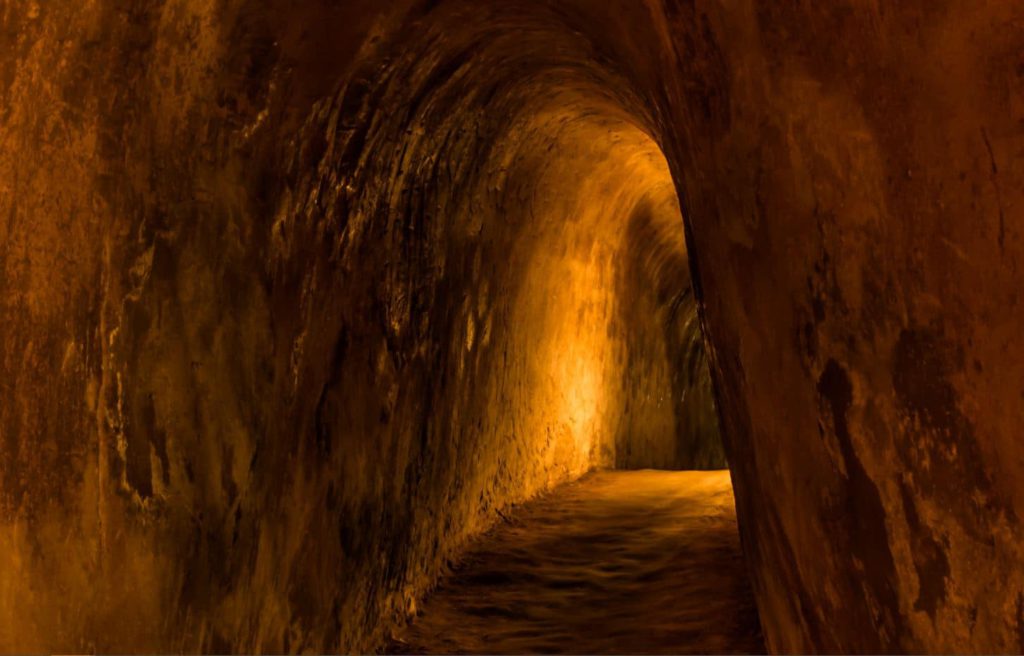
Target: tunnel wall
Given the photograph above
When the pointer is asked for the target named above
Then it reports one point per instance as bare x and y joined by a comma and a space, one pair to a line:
851, 185
196, 294
297, 300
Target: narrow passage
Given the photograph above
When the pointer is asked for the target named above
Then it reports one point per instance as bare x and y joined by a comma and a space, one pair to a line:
617, 562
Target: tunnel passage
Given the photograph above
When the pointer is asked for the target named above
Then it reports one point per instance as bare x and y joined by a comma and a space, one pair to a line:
326, 352
271, 346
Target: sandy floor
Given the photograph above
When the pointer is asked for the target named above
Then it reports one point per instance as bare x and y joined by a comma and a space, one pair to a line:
625, 561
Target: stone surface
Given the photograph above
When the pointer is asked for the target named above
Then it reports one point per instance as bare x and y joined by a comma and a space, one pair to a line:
295, 296
626, 562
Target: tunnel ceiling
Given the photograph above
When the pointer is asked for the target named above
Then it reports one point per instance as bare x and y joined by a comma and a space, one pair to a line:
297, 297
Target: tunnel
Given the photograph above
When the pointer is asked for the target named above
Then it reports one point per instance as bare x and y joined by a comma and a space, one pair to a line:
305, 305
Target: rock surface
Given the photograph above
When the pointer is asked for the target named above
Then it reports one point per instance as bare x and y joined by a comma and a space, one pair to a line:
296, 295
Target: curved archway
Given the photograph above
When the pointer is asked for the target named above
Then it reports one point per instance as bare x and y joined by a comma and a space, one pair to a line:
541, 259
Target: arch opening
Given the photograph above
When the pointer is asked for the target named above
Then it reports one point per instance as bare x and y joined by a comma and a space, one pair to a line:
350, 300
543, 261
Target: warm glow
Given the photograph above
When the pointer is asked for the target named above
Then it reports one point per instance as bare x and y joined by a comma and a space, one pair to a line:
300, 299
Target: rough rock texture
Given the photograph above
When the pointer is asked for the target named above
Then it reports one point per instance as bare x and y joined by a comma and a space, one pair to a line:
295, 299
295, 296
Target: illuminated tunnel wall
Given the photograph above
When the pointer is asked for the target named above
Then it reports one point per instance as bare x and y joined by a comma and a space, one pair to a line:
296, 296
302, 357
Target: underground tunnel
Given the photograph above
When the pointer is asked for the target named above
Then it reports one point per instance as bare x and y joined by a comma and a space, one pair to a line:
535, 326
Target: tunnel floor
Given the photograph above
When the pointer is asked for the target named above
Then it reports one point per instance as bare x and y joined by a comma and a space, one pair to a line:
618, 562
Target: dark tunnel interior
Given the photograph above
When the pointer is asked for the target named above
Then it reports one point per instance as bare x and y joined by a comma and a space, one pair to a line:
533, 326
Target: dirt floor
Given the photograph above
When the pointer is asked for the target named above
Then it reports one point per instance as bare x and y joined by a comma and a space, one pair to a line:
617, 562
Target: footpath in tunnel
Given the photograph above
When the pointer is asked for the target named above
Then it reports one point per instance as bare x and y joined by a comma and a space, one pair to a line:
617, 562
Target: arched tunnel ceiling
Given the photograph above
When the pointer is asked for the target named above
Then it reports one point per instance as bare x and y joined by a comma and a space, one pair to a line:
296, 296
